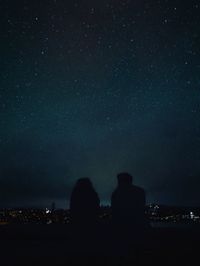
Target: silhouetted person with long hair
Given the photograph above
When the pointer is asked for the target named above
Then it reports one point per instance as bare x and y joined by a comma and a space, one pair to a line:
84, 203
84, 209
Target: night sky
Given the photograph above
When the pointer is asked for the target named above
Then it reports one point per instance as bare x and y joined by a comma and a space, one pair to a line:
93, 88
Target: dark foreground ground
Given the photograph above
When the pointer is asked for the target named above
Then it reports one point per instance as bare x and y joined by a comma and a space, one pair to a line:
61, 245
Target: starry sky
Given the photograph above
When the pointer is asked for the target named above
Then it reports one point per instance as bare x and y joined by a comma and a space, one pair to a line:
93, 88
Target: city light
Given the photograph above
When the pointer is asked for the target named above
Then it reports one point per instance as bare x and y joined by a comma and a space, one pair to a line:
155, 213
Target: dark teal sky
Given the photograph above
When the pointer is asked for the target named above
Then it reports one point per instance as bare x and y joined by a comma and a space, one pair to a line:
92, 88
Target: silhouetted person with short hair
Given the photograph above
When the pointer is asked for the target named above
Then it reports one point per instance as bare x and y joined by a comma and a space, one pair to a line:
128, 213
128, 202
84, 203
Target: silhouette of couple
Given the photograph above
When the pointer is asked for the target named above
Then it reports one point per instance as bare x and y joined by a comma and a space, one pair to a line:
126, 229
127, 203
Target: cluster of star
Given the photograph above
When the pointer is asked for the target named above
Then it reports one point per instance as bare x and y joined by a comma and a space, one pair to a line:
101, 77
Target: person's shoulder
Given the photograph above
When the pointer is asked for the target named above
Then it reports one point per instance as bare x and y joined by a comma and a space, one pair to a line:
115, 192
138, 189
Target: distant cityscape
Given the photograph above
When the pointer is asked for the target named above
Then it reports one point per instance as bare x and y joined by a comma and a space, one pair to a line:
155, 213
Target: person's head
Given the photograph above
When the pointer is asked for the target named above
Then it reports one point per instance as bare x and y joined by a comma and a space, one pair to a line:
124, 179
84, 182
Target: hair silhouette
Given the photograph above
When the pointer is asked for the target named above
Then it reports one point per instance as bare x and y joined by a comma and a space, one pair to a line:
84, 202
